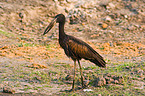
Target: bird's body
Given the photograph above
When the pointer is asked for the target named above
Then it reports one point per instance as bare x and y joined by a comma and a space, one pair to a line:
78, 49
75, 48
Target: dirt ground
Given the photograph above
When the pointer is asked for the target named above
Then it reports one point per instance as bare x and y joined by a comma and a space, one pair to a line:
32, 64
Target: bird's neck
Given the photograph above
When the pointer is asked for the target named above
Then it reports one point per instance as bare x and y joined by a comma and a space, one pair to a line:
61, 31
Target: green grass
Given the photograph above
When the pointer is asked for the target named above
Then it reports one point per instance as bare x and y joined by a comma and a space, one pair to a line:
29, 44
49, 46
28, 87
127, 88
101, 48
7, 34
21, 44
2, 23
56, 75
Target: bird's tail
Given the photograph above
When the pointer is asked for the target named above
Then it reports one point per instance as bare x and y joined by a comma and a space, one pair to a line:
99, 62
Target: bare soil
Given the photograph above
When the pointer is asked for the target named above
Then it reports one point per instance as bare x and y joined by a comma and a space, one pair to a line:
32, 64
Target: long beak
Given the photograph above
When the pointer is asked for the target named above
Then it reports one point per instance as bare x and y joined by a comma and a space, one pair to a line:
52, 23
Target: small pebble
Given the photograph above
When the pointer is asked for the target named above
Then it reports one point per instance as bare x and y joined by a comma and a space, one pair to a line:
104, 25
127, 67
108, 18
69, 77
87, 90
8, 90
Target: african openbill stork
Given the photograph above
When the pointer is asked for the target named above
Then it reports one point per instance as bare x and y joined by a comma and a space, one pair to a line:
75, 48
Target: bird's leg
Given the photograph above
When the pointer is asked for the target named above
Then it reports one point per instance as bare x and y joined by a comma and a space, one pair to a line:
74, 75
81, 74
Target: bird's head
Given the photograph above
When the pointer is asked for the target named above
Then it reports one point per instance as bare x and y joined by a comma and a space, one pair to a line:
60, 18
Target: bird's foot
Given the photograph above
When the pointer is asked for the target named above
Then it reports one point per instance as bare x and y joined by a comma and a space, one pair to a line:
71, 90
82, 87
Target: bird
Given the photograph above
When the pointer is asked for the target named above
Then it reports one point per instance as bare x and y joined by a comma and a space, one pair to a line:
75, 48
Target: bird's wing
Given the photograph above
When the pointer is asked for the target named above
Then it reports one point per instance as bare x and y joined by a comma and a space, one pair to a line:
78, 49
82, 50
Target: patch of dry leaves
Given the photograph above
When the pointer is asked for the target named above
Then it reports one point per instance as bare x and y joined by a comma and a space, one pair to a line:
37, 66
122, 48
31, 53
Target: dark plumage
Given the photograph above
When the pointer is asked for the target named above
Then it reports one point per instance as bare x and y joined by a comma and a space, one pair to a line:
75, 48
